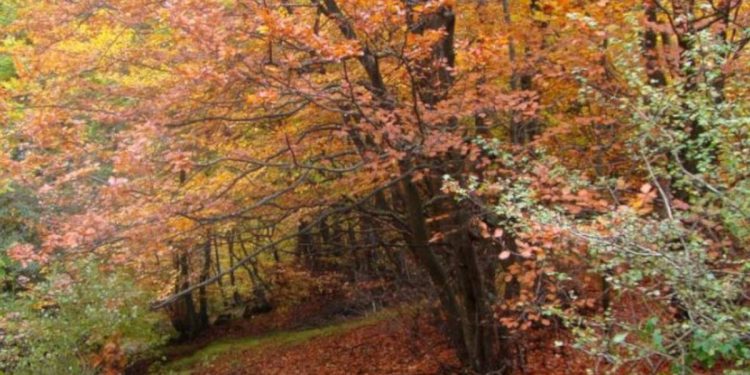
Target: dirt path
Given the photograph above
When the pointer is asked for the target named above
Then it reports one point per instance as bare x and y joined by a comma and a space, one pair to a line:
383, 343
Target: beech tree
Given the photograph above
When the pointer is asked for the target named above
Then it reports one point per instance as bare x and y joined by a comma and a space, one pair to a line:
187, 140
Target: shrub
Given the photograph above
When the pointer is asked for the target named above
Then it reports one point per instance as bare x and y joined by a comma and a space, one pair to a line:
80, 320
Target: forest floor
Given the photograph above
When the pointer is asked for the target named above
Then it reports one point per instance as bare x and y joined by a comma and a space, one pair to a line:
389, 341
398, 340
334, 334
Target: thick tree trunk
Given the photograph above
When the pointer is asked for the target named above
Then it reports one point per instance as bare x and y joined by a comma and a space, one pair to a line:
471, 324
650, 40
182, 313
419, 244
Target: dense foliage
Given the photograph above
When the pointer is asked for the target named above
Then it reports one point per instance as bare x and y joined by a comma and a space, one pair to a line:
523, 164
79, 320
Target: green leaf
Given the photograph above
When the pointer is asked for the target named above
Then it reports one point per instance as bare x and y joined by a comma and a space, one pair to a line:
7, 69
658, 339
620, 338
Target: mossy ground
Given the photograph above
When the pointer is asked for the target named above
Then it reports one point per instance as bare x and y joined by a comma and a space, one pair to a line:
225, 347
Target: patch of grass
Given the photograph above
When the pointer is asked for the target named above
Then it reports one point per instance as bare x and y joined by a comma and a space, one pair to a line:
282, 338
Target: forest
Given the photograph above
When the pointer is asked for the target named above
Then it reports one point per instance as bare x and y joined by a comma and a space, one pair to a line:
374, 187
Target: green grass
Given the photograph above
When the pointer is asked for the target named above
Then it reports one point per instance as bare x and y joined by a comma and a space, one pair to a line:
282, 338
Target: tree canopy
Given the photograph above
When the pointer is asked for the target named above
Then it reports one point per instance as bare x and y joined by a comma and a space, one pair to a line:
524, 163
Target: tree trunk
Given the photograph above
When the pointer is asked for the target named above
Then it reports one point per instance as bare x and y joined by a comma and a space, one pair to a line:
182, 313
419, 244
202, 293
236, 300
217, 266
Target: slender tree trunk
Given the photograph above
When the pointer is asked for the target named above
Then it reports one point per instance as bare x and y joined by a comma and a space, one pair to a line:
323, 248
202, 293
353, 246
217, 266
306, 247
521, 130
236, 299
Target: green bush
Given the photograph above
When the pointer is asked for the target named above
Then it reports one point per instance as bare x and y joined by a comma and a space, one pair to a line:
686, 259
59, 326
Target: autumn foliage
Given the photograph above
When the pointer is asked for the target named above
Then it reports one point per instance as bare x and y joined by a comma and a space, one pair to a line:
525, 165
